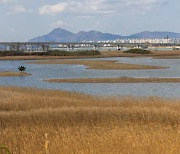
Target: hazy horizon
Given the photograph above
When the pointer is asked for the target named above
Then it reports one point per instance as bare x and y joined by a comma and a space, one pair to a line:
23, 20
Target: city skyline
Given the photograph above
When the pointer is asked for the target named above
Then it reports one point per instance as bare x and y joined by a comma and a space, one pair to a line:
24, 19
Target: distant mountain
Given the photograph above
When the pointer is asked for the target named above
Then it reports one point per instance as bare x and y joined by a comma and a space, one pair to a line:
152, 35
61, 35
94, 36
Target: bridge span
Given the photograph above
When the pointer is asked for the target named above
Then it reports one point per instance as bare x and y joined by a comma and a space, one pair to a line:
71, 46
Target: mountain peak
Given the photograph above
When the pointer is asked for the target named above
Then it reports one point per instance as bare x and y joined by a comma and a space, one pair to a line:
93, 31
60, 31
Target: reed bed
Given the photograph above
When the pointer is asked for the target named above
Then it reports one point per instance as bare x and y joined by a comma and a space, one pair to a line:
52, 122
116, 80
9, 74
100, 64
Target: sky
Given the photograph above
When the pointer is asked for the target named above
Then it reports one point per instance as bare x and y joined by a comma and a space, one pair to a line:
22, 20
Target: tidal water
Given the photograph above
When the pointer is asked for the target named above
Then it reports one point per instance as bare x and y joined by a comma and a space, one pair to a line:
44, 72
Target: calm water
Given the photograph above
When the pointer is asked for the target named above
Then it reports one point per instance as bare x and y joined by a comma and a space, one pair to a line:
43, 72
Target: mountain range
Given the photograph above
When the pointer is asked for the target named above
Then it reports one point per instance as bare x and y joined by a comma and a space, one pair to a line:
62, 35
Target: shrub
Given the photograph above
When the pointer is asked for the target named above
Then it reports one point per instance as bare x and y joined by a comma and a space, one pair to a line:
13, 53
74, 53
51, 53
138, 51
21, 68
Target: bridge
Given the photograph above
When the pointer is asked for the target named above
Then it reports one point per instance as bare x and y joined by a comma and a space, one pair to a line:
71, 46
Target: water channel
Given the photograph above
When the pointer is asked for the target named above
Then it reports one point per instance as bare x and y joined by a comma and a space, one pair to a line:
44, 72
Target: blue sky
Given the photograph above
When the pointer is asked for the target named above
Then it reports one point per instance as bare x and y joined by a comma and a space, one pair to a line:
22, 20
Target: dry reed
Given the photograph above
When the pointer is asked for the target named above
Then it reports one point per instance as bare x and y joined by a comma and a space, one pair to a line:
77, 123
